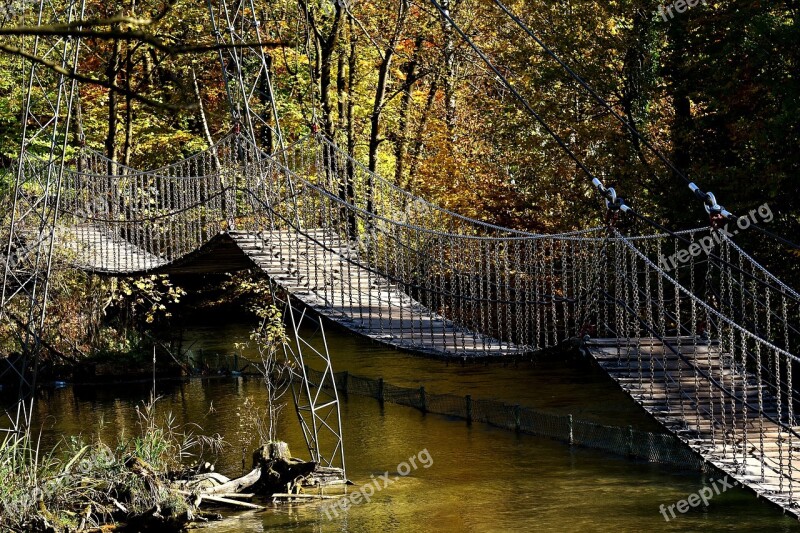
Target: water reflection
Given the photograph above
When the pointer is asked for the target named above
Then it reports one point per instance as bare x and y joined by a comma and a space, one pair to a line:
482, 479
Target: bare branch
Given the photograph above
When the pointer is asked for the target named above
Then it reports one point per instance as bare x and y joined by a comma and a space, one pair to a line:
91, 23
86, 79
132, 35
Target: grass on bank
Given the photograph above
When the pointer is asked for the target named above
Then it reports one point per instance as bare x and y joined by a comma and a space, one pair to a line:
82, 484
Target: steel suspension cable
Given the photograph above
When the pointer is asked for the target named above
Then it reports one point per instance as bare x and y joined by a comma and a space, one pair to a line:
445, 14
541, 120
602, 101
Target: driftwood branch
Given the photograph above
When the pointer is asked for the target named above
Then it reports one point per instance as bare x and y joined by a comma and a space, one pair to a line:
233, 503
218, 499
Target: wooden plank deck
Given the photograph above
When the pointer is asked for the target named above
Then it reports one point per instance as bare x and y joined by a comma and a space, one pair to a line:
95, 250
687, 404
319, 270
313, 267
90, 248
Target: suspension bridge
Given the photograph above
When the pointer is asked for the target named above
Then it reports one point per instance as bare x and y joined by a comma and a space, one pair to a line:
707, 348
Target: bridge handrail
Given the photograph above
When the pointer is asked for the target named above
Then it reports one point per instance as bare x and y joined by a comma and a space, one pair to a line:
745, 348
546, 299
157, 171
574, 235
320, 138
730, 394
703, 304
380, 179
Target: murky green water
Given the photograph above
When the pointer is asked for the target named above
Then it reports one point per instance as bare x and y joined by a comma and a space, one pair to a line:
479, 478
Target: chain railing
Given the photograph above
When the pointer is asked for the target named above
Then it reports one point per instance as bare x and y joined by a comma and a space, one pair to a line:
134, 221
711, 379
479, 294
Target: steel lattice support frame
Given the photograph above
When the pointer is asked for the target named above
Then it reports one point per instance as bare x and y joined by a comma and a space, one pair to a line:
246, 73
316, 403
49, 99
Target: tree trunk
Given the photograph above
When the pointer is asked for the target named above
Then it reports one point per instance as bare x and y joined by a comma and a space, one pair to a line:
410, 70
128, 145
377, 108
201, 110
352, 66
380, 96
325, 46
448, 51
267, 133
416, 150
340, 88
112, 70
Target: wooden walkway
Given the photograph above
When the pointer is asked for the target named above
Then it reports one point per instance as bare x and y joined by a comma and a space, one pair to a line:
92, 249
685, 402
316, 268
321, 271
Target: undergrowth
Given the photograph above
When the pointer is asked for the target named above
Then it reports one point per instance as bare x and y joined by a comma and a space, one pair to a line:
84, 483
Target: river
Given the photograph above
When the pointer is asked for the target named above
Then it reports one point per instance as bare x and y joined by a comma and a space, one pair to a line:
470, 478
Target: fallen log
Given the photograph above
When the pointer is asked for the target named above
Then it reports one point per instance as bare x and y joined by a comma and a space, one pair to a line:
234, 503
237, 496
205, 481
236, 485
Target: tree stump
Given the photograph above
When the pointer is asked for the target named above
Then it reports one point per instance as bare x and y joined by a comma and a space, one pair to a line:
278, 469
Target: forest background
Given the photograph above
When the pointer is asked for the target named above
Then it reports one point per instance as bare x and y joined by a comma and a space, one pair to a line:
714, 87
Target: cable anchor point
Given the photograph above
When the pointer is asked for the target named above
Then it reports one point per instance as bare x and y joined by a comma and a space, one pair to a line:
716, 213
614, 204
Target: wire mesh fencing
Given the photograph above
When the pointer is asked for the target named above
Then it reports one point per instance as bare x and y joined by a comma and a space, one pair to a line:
202, 363
661, 448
